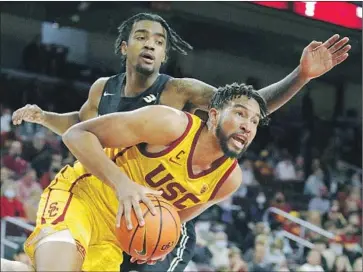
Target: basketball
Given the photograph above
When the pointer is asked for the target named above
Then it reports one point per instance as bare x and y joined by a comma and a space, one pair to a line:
157, 237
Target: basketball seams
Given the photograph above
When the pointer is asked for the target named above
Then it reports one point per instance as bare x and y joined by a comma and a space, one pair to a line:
177, 228
158, 238
133, 235
161, 226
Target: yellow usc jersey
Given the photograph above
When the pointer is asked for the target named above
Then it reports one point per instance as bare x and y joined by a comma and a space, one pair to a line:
169, 171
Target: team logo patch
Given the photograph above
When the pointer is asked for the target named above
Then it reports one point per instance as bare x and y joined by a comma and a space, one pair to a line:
204, 188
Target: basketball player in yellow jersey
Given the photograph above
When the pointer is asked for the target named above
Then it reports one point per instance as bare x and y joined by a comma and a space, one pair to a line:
149, 150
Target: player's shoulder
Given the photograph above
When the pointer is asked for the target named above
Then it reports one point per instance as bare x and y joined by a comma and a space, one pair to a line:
97, 86
164, 112
232, 183
185, 83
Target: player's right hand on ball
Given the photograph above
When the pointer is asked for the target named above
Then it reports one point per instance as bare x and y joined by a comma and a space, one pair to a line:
28, 113
129, 198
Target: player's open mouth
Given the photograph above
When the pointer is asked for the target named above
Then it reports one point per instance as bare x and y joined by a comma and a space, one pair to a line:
147, 57
239, 140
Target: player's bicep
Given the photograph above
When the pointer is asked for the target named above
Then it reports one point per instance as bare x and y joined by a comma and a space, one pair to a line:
230, 186
153, 124
195, 91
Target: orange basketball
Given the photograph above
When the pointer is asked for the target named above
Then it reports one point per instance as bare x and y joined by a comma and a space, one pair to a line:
157, 237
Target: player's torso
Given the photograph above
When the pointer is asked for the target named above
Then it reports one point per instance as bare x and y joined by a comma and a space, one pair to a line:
170, 170
114, 100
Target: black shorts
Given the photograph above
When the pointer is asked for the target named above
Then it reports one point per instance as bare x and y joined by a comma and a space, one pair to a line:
177, 260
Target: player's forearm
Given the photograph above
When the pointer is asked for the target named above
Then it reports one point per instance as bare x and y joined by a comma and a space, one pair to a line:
86, 147
277, 94
60, 122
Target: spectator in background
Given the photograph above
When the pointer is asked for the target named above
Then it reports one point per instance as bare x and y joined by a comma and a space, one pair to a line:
285, 169
358, 265
264, 171
275, 256
356, 180
236, 263
54, 168
10, 205
27, 186
335, 217
39, 153
13, 159
258, 264
248, 175
279, 202
315, 184
320, 202
313, 262
299, 167
219, 250
5, 121
258, 207
342, 264
6, 177
29, 192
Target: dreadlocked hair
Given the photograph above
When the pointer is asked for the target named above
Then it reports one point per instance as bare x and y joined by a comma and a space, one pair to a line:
229, 92
174, 41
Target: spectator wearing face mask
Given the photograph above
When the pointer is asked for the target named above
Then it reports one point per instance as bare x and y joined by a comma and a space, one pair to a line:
219, 250
258, 208
10, 205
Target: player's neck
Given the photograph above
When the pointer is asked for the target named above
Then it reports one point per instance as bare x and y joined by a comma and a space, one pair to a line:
137, 83
207, 150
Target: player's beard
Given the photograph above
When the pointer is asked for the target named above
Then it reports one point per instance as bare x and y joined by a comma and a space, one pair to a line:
144, 71
223, 142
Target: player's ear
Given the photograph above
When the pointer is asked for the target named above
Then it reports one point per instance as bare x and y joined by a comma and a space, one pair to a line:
165, 58
213, 116
124, 48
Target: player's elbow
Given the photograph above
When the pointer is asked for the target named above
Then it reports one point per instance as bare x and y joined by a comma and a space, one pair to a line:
71, 137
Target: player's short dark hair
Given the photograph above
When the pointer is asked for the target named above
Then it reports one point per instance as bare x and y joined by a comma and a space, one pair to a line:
231, 91
173, 41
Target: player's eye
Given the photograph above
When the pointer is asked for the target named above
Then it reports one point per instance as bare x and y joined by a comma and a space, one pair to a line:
241, 114
140, 38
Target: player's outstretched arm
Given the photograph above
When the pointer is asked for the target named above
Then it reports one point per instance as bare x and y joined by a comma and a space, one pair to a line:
317, 59
227, 189
157, 125
60, 122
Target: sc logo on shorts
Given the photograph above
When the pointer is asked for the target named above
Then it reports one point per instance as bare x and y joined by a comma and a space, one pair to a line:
167, 246
53, 209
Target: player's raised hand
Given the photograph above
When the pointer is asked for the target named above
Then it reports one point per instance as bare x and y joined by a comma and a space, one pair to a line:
28, 113
319, 58
129, 199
